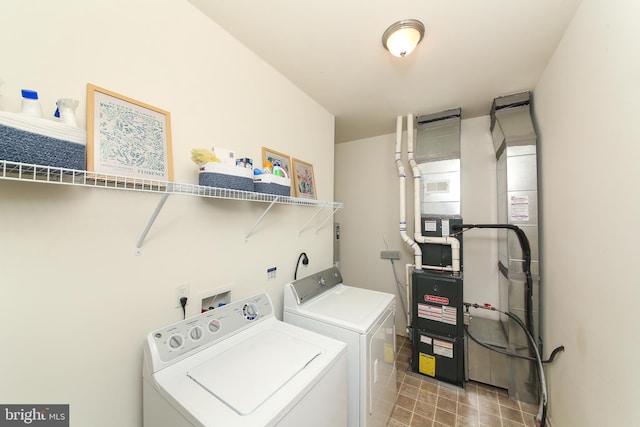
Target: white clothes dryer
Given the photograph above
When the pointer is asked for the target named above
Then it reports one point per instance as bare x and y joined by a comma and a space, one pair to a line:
363, 319
238, 365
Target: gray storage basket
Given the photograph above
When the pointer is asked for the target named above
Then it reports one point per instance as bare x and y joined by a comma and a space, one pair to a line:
45, 147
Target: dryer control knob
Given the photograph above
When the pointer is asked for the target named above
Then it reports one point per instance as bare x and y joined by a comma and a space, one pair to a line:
176, 341
214, 325
250, 311
195, 333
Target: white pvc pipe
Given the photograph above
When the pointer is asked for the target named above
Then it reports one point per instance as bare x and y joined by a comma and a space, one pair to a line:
417, 230
407, 278
403, 215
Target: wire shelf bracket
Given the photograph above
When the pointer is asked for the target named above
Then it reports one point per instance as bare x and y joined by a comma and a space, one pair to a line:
154, 215
16, 171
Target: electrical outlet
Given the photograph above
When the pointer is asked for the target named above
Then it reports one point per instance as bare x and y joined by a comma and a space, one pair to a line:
182, 291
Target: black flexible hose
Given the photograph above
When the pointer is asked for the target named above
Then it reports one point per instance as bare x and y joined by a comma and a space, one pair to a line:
526, 254
542, 381
305, 261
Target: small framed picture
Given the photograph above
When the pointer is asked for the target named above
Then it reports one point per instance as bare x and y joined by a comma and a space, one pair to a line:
274, 157
127, 137
304, 181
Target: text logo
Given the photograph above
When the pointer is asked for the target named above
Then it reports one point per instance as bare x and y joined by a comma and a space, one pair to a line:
34, 415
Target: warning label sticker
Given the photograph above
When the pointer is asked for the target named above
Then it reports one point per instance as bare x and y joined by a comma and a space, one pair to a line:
443, 348
425, 339
427, 364
520, 208
437, 299
438, 313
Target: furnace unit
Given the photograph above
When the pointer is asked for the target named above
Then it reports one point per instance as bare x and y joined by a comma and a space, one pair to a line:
437, 327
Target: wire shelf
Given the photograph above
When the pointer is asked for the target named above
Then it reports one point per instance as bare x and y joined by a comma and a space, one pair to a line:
56, 175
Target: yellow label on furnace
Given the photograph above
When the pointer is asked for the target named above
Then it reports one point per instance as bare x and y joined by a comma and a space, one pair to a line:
389, 354
427, 365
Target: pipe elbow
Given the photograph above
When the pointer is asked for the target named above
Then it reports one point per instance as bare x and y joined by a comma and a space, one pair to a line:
455, 243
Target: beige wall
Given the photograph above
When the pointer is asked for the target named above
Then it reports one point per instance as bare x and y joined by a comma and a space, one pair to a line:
76, 302
367, 182
586, 106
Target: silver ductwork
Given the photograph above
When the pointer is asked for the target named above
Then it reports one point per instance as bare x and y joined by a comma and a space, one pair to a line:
438, 157
514, 140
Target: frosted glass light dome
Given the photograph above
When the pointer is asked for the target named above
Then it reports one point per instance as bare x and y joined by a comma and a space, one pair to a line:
401, 38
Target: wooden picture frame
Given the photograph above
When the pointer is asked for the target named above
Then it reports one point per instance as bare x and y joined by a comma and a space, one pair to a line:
127, 137
271, 156
304, 180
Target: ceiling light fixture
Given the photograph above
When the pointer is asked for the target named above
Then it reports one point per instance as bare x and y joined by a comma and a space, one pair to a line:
402, 37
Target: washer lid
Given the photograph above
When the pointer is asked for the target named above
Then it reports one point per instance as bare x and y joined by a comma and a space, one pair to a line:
347, 307
246, 375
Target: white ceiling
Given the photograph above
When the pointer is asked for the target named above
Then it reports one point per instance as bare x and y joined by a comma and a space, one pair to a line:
473, 52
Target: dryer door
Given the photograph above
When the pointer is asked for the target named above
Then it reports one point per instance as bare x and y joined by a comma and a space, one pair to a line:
381, 381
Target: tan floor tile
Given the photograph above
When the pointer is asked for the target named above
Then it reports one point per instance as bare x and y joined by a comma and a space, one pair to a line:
426, 410
509, 423
444, 417
486, 419
409, 390
420, 421
505, 400
411, 380
529, 408
448, 393
428, 397
447, 404
406, 402
401, 414
429, 386
396, 423
469, 399
467, 422
511, 414
467, 411
486, 405
530, 420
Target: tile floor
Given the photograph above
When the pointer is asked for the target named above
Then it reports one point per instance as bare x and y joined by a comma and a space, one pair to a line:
423, 401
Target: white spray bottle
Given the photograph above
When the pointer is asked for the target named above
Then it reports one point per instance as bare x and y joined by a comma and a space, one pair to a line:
66, 111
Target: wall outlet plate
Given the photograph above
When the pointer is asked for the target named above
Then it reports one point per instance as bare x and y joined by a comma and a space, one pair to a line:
182, 291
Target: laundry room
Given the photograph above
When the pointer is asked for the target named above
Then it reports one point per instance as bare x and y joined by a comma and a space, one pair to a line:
89, 268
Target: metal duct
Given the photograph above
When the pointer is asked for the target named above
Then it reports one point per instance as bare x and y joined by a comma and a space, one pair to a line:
438, 156
514, 139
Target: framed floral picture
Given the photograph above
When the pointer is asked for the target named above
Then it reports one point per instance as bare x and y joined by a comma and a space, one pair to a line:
274, 157
127, 137
303, 179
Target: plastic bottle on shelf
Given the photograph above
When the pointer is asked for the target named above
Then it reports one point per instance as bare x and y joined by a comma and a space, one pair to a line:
66, 111
30, 104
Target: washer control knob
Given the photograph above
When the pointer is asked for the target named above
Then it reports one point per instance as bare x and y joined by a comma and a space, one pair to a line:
176, 341
214, 326
250, 311
195, 333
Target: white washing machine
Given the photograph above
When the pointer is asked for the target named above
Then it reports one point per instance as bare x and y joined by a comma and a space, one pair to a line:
365, 321
238, 365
